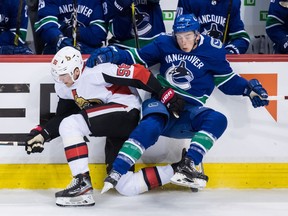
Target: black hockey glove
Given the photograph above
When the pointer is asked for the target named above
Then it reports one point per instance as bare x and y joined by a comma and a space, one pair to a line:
174, 102
35, 140
257, 94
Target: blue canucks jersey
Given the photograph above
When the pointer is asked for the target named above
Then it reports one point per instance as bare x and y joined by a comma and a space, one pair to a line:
277, 25
212, 16
149, 22
8, 22
55, 18
194, 75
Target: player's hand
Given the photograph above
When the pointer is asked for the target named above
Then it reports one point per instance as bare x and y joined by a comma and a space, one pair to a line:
122, 5
65, 41
257, 94
35, 140
14, 50
103, 55
174, 102
231, 49
153, 1
282, 46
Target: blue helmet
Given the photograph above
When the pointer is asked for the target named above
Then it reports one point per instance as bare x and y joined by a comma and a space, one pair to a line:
185, 23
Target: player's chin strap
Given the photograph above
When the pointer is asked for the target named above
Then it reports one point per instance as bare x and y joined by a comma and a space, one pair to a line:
196, 41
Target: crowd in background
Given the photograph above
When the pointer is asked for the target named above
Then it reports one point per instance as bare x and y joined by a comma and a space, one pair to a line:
89, 25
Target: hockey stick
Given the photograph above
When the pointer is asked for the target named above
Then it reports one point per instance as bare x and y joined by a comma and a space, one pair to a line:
227, 21
12, 143
74, 24
19, 14
134, 25
278, 97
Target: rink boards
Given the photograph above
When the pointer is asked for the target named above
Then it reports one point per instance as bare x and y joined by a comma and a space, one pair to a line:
252, 153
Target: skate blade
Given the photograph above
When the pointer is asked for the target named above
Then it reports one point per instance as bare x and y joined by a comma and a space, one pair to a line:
107, 186
181, 180
79, 201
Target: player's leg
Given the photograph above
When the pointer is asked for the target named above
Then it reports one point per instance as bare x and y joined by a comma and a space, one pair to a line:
146, 179
208, 125
143, 136
80, 192
105, 120
112, 147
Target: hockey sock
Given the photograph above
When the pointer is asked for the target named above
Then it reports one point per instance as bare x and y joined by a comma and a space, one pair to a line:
77, 157
200, 144
130, 152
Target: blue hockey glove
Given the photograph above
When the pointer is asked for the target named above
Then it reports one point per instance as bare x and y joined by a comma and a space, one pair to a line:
153, 1
282, 47
256, 93
65, 41
14, 50
102, 55
174, 102
231, 49
122, 5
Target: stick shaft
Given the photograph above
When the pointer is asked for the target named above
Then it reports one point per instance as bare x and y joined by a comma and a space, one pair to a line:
278, 97
12, 143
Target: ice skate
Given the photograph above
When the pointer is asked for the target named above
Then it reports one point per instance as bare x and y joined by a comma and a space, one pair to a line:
187, 175
78, 193
111, 181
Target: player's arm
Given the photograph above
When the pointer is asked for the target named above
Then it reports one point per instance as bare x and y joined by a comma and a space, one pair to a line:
47, 25
44, 133
131, 75
275, 26
140, 77
238, 38
184, 7
148, 55
95, 33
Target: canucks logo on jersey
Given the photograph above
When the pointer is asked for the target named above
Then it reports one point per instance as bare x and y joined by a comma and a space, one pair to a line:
180, 75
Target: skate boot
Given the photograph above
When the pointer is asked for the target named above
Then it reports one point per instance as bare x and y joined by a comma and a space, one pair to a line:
187, 175
78, 193
111, 181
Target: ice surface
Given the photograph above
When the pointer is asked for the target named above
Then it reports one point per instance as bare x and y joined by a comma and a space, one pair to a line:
209, 202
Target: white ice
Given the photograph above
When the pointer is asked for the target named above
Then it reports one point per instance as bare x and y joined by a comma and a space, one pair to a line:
209, 202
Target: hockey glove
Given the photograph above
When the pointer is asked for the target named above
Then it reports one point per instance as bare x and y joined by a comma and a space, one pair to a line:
65, 41
257, 94
122, 5
153, 1
231, 49
102, 55
14, 50
174, 102
281, 47
35, 140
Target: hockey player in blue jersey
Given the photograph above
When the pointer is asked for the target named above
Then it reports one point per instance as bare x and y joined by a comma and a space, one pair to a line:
192, 64
13, 27
277, 25
125, 33
71, 23
220, 19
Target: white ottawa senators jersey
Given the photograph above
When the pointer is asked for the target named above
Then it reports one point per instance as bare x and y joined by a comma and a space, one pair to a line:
91, 88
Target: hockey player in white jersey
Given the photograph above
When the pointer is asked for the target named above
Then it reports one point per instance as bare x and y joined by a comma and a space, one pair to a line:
106, 106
